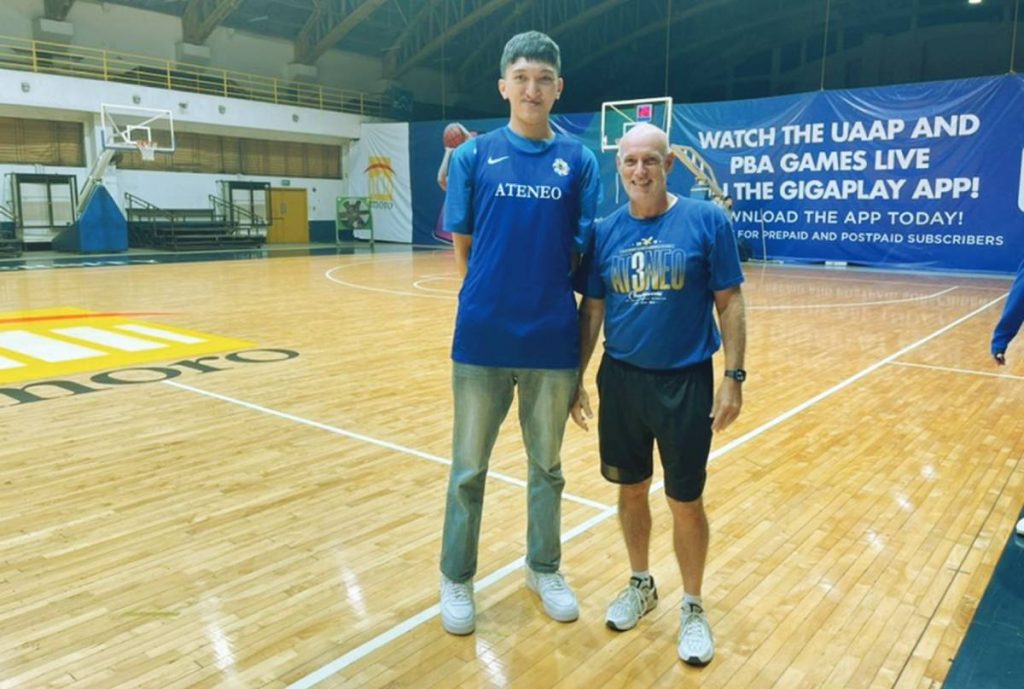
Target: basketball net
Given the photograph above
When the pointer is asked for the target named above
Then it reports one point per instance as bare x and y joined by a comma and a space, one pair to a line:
147, 149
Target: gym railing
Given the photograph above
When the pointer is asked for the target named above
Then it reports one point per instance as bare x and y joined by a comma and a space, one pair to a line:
140, 211
10, 242
128, 68
240, 218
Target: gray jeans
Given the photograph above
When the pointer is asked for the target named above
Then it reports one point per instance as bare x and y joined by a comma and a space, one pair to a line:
483, 395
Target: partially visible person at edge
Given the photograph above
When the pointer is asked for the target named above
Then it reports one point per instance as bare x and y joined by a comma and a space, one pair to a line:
659, 268
1013, 315
520, 205
1007, 328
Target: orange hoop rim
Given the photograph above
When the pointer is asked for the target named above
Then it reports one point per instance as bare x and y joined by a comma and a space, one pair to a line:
147, 149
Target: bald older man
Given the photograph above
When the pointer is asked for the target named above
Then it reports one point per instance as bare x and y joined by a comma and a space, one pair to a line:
659, 265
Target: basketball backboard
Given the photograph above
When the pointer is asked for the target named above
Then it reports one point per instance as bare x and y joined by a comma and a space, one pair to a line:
127, 127
619, 116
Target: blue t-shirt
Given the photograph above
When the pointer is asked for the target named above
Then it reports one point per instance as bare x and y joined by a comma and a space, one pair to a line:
657, 277
1013, 314
528, 205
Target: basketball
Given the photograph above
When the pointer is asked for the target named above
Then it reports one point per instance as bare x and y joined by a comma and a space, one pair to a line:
454, 134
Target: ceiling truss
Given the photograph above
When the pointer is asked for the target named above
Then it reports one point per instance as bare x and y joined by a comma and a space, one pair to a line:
331, 21
556, 18
57, 9
201, 17
439, 21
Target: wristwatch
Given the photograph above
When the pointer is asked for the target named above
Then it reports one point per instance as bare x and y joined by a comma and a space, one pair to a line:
737, 374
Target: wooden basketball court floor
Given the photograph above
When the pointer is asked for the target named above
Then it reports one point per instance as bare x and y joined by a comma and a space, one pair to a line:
270, 516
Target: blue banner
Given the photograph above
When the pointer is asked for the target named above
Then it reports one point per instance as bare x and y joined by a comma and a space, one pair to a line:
922, 175
426, 155
427, 160
927, 176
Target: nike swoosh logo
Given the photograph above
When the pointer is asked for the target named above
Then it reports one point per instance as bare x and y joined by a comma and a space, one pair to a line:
492, 161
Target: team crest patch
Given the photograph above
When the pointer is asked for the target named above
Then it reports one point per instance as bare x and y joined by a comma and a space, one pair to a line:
560, 166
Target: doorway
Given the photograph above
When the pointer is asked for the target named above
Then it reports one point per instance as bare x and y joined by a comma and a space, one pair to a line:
44, 205
249, 202
289, 216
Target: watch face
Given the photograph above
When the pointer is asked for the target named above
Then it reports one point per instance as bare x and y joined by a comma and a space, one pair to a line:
738, 374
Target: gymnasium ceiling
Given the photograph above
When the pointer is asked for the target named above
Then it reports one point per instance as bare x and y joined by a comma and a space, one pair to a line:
616, 49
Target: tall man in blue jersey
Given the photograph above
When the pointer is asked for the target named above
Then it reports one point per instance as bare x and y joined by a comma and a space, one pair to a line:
520, 204
658, 266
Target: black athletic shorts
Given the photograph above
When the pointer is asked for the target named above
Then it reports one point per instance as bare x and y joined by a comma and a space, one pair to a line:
639, 406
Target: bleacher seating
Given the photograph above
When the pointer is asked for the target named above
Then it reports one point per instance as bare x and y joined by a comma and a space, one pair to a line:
183, 229
10, 246
10, 242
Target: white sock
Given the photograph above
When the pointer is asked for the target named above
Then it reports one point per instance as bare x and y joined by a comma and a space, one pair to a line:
643, 576
695, 600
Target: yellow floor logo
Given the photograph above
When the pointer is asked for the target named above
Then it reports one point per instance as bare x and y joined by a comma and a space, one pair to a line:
57, 342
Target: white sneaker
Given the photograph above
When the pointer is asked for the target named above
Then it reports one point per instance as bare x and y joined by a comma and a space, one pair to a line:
696, 643
635, 601
458, 613
559, 600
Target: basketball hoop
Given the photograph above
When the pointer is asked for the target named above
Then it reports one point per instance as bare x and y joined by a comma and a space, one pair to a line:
147, 149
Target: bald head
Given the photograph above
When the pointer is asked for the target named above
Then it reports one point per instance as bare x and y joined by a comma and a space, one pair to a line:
644, 136
644, 161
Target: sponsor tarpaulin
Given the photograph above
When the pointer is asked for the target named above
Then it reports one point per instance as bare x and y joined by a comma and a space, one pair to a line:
924, 176
917, 175
379, 170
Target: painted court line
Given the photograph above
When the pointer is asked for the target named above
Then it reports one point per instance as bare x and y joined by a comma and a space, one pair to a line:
108, 338
830, 274
958, 370
853, 379
159, 332
419, 618
6, 363
433, 611
852, 304
420, 293
372, 441
88, 315
48, 349
421, 284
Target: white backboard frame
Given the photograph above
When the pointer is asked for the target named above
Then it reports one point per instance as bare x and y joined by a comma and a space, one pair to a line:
125, 125
625, 111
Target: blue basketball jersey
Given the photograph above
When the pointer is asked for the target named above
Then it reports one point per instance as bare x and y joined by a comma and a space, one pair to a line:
521, 202
658, 277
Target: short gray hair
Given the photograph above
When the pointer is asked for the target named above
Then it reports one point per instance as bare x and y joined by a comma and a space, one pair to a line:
534, 46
